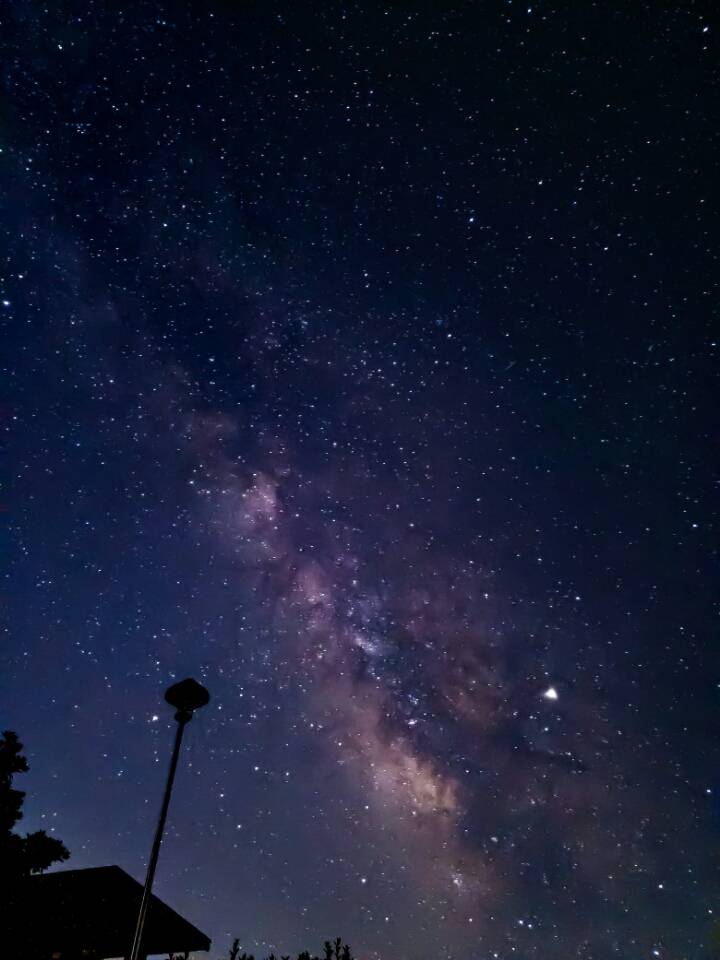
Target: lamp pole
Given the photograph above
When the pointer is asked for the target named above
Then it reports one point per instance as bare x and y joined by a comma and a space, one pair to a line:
186, 696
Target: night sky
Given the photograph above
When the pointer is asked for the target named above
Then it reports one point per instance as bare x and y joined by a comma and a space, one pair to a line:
359, 362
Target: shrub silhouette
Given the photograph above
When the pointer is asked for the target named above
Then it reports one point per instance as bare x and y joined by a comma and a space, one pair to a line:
20, 855
332, 951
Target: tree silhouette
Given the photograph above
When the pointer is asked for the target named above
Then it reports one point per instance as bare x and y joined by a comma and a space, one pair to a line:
20, 855
332, 951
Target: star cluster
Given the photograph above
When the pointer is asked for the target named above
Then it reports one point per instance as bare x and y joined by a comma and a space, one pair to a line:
359, 362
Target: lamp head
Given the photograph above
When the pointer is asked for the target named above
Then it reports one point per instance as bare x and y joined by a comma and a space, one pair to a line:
186, 696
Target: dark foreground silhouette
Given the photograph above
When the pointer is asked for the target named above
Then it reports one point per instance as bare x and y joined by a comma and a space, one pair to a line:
20, 855
88, 913
69, 914
334, 950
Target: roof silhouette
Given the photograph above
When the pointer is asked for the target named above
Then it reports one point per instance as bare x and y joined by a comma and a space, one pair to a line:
91, 911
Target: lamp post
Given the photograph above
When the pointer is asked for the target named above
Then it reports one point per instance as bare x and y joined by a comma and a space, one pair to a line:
186, 696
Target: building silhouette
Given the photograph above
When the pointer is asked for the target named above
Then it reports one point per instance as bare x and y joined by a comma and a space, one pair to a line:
89, 915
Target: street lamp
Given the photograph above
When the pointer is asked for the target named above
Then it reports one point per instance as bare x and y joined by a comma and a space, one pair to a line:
186, 696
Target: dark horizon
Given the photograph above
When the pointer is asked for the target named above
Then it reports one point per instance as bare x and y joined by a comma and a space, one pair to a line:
359, 363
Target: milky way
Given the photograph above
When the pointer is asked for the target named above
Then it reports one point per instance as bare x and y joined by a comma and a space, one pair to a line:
359, 363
